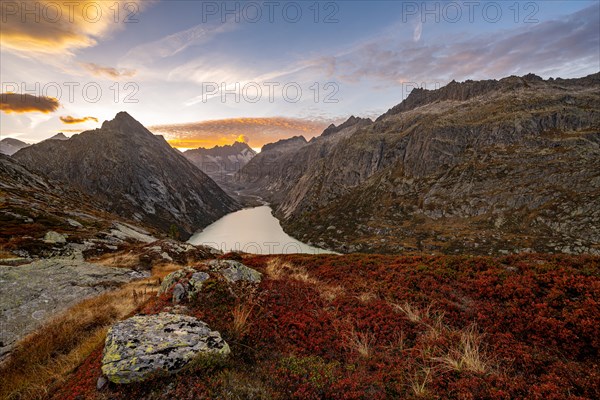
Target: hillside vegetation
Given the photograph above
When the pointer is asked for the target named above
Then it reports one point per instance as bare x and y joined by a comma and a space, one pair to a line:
375, 327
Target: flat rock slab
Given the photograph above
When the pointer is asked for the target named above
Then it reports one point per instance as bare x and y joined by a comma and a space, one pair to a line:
149, 345
34, 292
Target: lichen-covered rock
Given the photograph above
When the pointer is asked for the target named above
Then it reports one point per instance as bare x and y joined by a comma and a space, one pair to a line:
54, 237
234, 271
186, 283
179, 292
195, 283
150, 345
170, 280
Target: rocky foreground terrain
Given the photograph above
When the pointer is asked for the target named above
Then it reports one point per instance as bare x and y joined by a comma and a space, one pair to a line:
479, 167
342, 327
134, 173
48, 235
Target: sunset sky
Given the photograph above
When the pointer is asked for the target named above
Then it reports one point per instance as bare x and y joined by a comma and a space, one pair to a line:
166, 62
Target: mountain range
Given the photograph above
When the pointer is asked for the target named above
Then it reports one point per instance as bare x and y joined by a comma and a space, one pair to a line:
133, 173
483, 167
221, 162
10, 146
479, 167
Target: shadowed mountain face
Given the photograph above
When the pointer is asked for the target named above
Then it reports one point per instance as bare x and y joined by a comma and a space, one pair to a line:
221, 162
134, 173
10, 146
483, 167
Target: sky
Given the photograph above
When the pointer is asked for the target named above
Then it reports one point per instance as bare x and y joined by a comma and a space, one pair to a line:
204, 73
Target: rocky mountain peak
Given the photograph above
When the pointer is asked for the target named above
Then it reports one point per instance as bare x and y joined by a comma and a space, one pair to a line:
225, 150
59, 136
10, 146
293, 142
133, 173
331, 129
240, 146
533, 77
462, 91
124, 123
221, 162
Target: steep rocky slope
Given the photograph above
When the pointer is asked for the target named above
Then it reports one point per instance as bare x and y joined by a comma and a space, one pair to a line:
54, 245
278, 168
221, 162
480, 167
133, 173
43, 218
264, 172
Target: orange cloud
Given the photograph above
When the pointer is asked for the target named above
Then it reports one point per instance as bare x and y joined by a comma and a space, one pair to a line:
242, 139
258, 131
108, 72
57, 27
72, 120
24, 103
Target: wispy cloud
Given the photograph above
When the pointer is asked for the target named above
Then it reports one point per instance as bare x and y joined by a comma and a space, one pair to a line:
570, 46
69, 120
65, 26
566, 47
175, 43
26, 103
108, 72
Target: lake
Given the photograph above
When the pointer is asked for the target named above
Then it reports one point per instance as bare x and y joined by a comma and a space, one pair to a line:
252, 230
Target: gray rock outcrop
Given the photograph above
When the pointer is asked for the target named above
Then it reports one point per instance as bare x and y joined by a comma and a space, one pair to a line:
54, 237
186, 283
144, 346
234, 271
32, 293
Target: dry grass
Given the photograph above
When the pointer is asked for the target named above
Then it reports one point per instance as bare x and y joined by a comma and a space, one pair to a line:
162, 270
303, 276
45, 357
330, 292
436, 327
397, 342
241, 313
362, 342
366, 297
468, 355
278, 269
6, 254
464, 352
122, 260
419, 382
413, 313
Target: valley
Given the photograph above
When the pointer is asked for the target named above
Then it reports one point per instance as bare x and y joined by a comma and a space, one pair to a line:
448, 249
483, 167
299, 200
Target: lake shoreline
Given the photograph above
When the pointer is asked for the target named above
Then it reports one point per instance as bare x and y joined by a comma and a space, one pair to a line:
252, 230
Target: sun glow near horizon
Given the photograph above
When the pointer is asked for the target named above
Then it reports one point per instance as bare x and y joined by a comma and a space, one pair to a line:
256, 132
